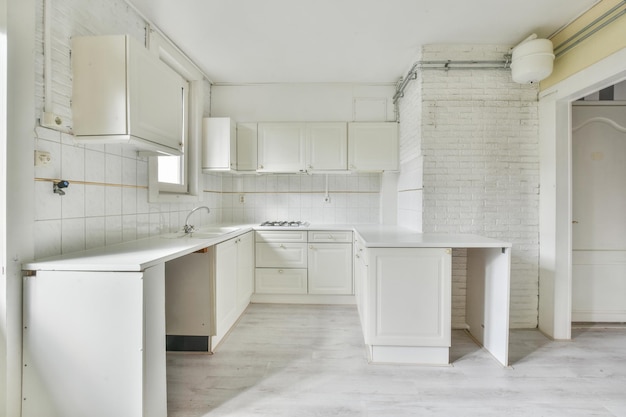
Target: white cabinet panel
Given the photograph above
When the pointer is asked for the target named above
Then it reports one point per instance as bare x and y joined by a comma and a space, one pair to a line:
403, 295
94, 344
281, 281
225, 288
330, 236
281, 236
327, 147
281, 147
227, 146
301, 147
281, 255
246, 146
219, 144
234, 277
373, 146
330, 268
245, 269
121, 93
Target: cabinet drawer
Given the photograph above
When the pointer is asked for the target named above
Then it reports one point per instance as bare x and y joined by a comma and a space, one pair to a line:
281, 236
281, 255
330, 236
280, 281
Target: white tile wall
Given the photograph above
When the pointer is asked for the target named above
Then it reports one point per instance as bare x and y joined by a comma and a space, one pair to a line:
107, 200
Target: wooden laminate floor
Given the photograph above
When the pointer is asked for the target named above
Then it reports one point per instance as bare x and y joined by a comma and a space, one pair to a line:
303, 360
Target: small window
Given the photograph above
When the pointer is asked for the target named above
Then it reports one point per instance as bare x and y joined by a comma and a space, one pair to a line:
172, 170
177, 178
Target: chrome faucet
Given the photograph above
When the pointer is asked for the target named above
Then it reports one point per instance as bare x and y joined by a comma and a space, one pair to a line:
188, 228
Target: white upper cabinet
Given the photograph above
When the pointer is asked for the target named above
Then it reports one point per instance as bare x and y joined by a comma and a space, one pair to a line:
373, 146
246, 146
327, 147
281, 147
302, 147
228, 146
219, 144
121, 93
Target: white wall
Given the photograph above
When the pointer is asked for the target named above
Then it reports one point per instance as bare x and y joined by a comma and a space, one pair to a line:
19, 184
478, 139
355, 198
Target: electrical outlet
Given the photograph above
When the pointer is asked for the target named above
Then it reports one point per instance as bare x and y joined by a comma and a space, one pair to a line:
242, 199
42, 158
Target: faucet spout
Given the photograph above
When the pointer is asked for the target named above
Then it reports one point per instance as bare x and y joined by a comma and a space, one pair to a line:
189, 228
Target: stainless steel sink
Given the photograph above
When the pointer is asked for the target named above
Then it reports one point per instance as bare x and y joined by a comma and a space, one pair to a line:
204, 233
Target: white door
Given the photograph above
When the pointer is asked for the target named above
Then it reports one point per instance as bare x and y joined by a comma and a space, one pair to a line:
599, 204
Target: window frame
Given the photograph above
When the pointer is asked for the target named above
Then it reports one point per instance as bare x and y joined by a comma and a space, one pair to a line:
189, 191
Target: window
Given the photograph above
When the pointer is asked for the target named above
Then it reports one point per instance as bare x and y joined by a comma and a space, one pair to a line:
177, 178
172, 170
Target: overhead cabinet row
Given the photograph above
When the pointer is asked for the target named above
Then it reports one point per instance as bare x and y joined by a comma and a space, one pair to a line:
299, 147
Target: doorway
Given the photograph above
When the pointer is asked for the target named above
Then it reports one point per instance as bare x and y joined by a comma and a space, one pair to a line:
598, 207
555, 238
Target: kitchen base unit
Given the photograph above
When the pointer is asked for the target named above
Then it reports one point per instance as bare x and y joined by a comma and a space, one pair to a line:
403, 293
94, 344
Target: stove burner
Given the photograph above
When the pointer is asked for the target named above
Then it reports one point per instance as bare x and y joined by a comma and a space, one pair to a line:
284, 223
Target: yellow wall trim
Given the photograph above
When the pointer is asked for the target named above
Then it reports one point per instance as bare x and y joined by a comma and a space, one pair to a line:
601, 44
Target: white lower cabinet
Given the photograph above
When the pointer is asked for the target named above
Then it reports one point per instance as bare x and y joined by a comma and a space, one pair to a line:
398, 328
233, 283
330, 262
94, 344
281, 262
287, 264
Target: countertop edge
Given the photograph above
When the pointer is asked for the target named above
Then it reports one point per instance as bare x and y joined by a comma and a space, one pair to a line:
152, 251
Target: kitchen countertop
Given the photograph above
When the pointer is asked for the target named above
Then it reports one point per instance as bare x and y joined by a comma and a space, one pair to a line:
383, 236
140, 254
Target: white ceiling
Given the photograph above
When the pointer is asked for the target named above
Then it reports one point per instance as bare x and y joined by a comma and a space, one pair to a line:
284, 41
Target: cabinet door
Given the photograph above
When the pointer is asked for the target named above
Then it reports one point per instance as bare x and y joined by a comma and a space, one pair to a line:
245, 269
327, 146
373, 146
157, 97
281, 147
409, 296
330, 268
246, 146
219, 150
225, 287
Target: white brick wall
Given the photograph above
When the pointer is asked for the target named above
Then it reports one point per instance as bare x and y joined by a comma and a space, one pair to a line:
479, 144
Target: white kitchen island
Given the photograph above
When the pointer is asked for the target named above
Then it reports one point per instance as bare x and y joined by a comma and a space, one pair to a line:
403, 292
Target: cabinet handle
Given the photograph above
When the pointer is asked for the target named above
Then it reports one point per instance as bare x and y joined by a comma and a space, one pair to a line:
448, 251
310, 246
357, 256
260, 166
282, 246
280, 271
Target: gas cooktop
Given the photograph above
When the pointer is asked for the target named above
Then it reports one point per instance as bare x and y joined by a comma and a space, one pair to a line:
284, 223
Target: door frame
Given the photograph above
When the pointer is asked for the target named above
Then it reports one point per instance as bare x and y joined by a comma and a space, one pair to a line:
555, 213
